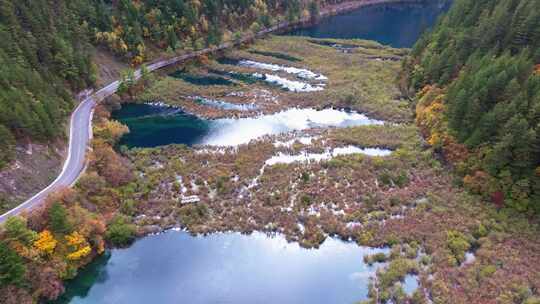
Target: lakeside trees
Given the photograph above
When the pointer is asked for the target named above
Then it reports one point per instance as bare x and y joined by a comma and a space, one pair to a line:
485, 56
46, 49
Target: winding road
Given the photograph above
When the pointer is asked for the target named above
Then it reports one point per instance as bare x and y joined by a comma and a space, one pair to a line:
81, 119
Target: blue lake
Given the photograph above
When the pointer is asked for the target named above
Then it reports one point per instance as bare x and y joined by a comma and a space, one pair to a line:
175, 267
397, 25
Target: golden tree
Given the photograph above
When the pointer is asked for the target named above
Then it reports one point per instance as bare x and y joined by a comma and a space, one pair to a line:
45, 243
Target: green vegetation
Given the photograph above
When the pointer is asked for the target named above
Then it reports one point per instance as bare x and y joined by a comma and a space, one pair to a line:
7, 146
17, 230
12, 269
43, 55
458, 245
380, 257
193, 214
46, 51
120, 232
485, 56
58, 219
396, 271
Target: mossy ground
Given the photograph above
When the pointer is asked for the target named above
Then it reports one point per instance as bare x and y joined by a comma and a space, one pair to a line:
406, 200
368, 87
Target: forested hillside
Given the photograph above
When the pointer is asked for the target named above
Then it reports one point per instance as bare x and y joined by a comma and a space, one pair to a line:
44, 54
478, 77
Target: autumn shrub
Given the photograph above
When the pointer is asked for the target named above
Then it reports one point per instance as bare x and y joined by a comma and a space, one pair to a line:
305, 201
458, 244
120, 232
16, 228
379, 257
45, 243
532, 300
396, 271
487, 271
394, 178
193, 214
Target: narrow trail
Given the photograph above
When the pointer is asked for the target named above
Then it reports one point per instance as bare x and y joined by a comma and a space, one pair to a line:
81, 118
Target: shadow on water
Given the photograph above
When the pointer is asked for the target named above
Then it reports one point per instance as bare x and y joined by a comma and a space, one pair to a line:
243, 77
397, 25
156, 126
91, 275
152, 126
276, 55
202, 80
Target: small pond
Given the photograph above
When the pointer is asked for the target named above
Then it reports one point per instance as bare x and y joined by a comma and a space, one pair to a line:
397, 25
154, 125
175, 267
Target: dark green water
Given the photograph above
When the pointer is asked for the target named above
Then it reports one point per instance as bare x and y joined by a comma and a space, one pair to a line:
152, 126
397, 25
202, 80
176, 267
156, 125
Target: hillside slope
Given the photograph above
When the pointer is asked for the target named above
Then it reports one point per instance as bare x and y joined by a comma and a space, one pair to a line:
478, 74
46, 54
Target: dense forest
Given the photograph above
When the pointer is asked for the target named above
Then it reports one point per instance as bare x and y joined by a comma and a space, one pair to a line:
45, 54
478, 77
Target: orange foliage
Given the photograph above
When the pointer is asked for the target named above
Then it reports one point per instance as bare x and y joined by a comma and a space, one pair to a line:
80, 253
430, 119
46, 243
80, 246
101, 112
137, 60
454, 151
203, 59
479, 182
537, 69
110, 131
115, 169
75, 239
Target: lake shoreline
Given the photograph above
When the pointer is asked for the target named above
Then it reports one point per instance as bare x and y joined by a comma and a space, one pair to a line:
213, 180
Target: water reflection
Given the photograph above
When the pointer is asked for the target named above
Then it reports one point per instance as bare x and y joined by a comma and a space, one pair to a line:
149, 128
398, 25
176, 267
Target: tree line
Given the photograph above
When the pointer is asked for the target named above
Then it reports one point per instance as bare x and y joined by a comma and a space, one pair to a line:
45, 54
478, 77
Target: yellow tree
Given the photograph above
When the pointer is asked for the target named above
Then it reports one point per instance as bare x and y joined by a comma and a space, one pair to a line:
45, 243
79, 245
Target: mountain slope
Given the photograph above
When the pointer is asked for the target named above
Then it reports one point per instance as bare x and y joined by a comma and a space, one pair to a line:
480, 101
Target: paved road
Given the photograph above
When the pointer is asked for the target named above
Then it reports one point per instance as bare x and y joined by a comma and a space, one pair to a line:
81, 133
81, 118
